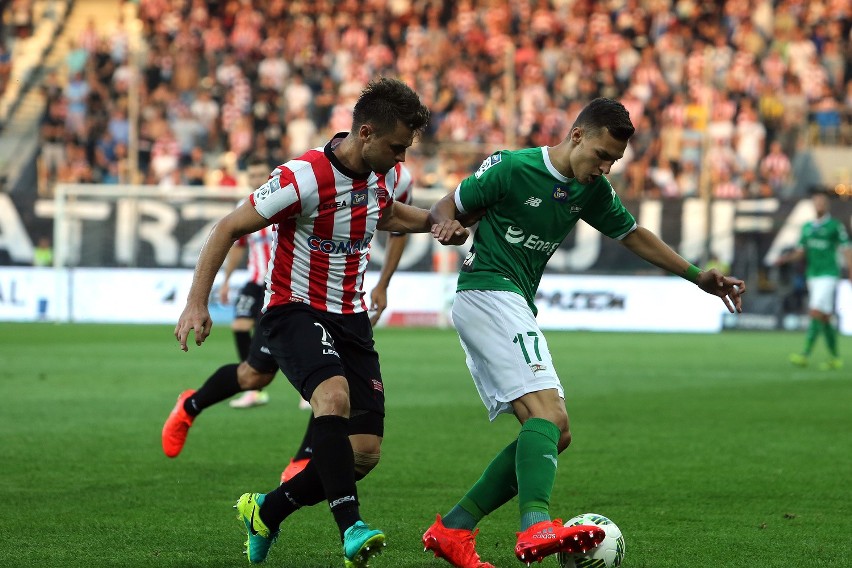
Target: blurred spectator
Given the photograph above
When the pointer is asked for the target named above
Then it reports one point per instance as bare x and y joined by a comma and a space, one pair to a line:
5, 66
775, 167
726, 187
75, 58
750, 136
21, 18
826, 113
52, 142
688, 180
663, 179
43, 252
194, 168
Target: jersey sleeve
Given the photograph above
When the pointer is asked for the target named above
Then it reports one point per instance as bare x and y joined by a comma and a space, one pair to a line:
608, 215
487, 185
404, 184
278, 198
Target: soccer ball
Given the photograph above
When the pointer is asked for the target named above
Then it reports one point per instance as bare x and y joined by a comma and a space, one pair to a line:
607, 554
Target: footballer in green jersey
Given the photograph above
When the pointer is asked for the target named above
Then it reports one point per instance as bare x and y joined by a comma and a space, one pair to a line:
528, 201
819, 244
530, 209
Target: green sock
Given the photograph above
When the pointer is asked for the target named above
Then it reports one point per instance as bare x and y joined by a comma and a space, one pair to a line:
496, 487
830, 337
813, 330
535, 466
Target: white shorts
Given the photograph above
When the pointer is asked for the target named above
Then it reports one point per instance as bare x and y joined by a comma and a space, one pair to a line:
506, 352
821, 293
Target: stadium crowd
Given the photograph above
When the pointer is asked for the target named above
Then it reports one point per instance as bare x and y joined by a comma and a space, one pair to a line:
723, 94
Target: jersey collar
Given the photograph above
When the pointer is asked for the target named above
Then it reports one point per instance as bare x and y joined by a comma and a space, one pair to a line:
550, 167
335, 161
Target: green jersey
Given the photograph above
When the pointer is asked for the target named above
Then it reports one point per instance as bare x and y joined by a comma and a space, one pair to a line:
821, 239
530, 209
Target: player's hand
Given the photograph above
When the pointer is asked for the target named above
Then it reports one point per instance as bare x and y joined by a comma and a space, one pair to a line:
728, 288
450, 232
224, 289
378, 303
195, 319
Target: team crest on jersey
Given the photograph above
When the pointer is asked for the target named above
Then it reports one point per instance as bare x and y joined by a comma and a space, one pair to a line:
491, 160
382, 195
560, 193
359, 198
267, 189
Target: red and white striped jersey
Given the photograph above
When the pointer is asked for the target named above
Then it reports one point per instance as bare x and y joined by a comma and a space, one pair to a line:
404, 185
259, 246
326, 216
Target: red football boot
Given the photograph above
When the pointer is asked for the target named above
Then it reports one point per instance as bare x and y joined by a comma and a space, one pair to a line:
177, 426
456, 546
549, 537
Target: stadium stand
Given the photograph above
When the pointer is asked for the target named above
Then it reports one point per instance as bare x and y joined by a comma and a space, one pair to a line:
711, 86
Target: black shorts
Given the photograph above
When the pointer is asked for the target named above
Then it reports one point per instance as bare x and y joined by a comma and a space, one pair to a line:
259, 356
311, 346
250, 301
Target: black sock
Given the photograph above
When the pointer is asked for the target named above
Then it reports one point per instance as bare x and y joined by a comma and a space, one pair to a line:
243, 340
301, 490
335, 464
306, 450
220, 386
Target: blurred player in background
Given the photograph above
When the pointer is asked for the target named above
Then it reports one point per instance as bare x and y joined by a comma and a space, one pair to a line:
250, 299
532, 199
327, 204
819, 243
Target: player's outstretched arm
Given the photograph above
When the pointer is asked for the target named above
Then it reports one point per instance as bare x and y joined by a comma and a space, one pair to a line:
795, 255
648, 246
196, 317
404, 218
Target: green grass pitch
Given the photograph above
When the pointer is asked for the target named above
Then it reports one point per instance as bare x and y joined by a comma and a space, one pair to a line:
706, 450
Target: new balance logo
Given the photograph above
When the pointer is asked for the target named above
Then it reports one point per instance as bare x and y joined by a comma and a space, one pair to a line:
533, 202
551, 458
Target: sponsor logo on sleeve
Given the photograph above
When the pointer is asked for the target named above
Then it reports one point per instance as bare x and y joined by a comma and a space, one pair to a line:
490, 161
267, 189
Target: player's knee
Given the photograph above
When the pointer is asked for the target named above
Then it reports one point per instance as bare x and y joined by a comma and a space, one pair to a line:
365, 462
250, 378
331, 401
